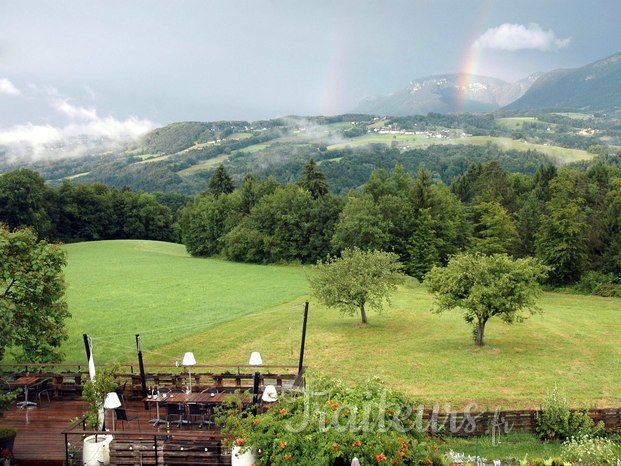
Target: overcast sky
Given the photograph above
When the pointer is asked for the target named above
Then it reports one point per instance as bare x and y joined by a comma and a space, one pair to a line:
121, 67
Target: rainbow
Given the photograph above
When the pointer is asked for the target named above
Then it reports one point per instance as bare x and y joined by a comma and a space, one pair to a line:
333, 101
471, 54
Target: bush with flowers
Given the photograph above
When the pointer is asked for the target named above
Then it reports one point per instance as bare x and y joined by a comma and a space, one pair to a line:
330, 423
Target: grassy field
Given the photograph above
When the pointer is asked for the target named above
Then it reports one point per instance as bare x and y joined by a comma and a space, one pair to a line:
222, 311
419, 141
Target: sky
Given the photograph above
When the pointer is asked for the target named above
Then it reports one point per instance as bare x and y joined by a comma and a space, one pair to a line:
115, 69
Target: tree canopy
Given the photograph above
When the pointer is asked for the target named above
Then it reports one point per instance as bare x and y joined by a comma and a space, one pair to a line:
32, 297
486, 287
357, 280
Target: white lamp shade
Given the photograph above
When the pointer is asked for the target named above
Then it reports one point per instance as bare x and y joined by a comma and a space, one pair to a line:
112, 401
270, 394
255, 359
188, 359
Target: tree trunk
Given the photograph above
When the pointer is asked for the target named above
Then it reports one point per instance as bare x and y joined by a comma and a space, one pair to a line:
480, 332
363, 314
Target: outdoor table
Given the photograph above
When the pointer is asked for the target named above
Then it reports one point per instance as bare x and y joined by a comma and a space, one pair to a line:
186, 398
25, 382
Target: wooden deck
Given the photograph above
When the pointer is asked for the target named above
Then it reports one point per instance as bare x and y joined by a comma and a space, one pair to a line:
39, 438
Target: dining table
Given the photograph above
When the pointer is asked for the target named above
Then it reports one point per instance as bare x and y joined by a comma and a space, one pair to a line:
187, 398
24, 382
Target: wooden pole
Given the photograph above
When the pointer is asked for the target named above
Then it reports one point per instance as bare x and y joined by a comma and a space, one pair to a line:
303, 338
143, 377
87, 346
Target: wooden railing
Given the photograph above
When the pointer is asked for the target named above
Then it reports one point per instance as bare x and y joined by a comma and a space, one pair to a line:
67, 379
158, 448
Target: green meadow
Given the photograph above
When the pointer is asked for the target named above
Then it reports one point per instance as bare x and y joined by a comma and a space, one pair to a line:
222, 311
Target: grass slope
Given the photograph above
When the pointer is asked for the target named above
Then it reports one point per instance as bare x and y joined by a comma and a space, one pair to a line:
158, 290
227, 310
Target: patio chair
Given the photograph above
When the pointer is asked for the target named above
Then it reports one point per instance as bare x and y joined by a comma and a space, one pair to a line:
120, 391
172, 410
42, 388
196, 410
121, 415
210, 390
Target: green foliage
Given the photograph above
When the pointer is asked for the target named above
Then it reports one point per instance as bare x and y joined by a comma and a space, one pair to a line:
495, 231
361, 225
486, 287
356, 280
32, 297
558, 422
601, 284
7, 432
95, 392
587, 450
220, 182
561, 241
422, 246
314, 181
330, 423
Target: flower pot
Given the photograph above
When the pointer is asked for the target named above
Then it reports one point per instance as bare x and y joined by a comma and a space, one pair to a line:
96, 450
247, 458
7, 442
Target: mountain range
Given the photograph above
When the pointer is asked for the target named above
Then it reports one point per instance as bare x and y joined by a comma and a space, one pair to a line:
594, 87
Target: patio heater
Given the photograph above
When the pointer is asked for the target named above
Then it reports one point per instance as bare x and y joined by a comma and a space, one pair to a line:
255, 360
112, 402
189, 361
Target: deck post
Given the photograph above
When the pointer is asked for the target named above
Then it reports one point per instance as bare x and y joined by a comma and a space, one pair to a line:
143, 377
303, 338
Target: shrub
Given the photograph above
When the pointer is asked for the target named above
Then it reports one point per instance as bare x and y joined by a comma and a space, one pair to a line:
601, 284
330, 423
558, 422
589, 450
7, 432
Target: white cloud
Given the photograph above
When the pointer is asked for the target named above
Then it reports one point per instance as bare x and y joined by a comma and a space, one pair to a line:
519, 37
7, 87
78, 130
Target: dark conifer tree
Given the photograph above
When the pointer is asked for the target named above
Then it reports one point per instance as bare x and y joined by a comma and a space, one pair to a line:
314, 181
220, 182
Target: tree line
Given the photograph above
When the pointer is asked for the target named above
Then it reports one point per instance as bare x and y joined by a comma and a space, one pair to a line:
568, 218
85, 212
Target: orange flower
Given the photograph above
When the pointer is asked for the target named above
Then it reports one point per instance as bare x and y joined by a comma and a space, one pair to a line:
356, 444
336, 446
241, 441
283, 411
256, 421
380, 457
428, 461
283, 445
325, 421
288, 457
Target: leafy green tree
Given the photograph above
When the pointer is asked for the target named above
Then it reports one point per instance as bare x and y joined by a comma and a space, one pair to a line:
561, 241
495, 231
220, 182
361, 225
205, 221
32, 297
485, 287
24, 201
314, 181
357, 280
422, 246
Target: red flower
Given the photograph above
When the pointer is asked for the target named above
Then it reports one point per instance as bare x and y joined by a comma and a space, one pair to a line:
241, 441
256, 421
380, 457
283, 445
428, 461
356, 444
288, 457
283, 411
336, 446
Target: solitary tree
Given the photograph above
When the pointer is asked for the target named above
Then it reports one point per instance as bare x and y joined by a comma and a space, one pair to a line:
357, 280
32, 296
486, 287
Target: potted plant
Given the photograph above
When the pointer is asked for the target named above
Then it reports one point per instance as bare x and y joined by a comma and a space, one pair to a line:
96, 450
7, 439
